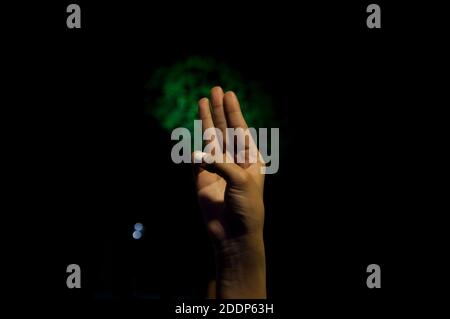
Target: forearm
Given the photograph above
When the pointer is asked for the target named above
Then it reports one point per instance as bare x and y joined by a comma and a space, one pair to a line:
241, 269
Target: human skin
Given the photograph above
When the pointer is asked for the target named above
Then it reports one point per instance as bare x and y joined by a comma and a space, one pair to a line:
230, 195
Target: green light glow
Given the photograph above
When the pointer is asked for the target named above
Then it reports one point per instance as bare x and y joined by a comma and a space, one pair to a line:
181, 85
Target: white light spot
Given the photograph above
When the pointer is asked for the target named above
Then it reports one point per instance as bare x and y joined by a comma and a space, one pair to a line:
137, 234
138, 226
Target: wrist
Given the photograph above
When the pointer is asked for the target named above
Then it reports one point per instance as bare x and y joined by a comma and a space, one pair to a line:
241, 268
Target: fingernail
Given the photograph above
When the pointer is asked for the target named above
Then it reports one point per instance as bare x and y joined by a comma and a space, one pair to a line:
198, 156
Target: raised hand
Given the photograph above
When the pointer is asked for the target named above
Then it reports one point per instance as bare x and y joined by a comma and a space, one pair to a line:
231, 197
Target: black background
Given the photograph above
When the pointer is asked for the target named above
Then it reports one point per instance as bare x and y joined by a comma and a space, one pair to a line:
349, 192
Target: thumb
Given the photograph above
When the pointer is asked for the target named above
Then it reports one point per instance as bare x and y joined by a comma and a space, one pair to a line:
223, 166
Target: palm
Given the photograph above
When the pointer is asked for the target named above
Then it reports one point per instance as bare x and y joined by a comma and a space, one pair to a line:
215, 195
211, 191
